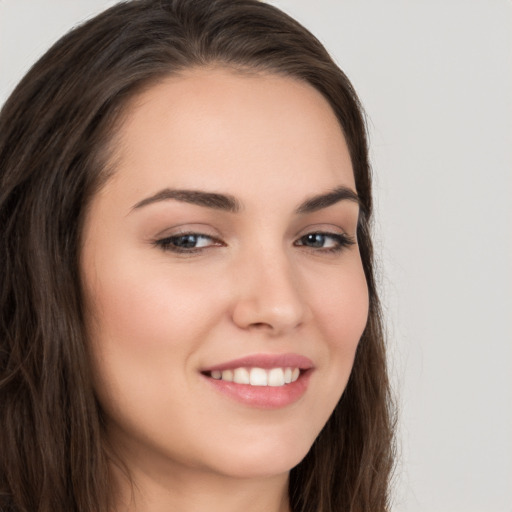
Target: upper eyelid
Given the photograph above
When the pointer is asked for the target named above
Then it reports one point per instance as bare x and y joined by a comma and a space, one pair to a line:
200, 230
325, 228
185, 233
299, 235
336, 226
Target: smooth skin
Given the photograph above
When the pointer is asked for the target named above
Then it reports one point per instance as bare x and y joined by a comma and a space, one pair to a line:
173, 287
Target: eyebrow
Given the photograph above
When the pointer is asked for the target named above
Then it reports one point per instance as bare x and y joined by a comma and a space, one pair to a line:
229, 203
213, 200
322, 201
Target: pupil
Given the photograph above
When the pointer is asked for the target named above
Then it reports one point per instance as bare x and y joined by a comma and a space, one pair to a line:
187, 241
315, 240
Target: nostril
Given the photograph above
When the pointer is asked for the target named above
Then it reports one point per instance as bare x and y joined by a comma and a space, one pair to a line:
260, 325
261, 309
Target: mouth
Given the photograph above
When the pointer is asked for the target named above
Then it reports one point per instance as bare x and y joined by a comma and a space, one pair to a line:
262, 381
274, 377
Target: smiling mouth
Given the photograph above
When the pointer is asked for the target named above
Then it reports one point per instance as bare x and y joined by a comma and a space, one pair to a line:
263, 381
272, 377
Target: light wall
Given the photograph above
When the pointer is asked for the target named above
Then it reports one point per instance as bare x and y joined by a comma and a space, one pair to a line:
436, 80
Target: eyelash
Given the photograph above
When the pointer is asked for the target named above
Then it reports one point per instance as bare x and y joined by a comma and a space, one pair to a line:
167, 244
342, 241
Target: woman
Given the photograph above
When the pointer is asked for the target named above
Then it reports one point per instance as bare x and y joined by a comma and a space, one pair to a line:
189, 314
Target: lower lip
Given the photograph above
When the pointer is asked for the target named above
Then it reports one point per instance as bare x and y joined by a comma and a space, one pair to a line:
263, 397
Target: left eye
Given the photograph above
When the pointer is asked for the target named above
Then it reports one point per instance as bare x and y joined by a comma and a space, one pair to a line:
326, 241
186, 242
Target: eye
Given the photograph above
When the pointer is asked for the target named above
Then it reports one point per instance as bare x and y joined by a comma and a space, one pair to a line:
325, 242
187, 242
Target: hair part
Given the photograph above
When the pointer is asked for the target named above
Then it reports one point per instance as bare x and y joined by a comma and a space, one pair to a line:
57, 134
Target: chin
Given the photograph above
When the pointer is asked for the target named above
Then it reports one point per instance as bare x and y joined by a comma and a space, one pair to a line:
263, 460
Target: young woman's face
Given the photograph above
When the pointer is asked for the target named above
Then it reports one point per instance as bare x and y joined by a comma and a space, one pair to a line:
223, 247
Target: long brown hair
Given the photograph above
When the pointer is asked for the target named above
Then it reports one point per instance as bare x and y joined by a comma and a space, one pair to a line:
55, 133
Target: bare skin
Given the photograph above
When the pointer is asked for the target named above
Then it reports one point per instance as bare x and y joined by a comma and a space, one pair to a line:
177, 284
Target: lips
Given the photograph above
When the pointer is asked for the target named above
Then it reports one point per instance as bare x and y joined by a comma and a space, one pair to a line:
263, 380
267, 361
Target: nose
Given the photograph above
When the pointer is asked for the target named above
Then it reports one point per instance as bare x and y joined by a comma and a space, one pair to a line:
269, 295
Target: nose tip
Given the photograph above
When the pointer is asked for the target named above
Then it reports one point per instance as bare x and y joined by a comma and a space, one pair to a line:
270, 299
257, 315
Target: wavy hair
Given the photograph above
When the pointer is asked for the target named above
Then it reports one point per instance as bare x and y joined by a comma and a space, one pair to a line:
56, 135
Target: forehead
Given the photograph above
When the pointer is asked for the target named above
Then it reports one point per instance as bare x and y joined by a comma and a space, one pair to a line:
218, 127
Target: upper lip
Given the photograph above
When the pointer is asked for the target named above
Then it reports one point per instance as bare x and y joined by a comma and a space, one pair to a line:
265, 361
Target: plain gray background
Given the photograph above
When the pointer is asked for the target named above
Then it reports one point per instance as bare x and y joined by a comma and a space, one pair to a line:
435, 78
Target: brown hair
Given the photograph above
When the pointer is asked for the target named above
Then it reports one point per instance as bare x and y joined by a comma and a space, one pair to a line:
55, 131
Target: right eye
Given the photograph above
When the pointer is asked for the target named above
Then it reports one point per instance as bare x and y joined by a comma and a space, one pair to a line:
187, 242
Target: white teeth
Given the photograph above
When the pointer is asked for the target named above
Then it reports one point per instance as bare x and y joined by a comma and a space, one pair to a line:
241, 376
258, 377
275, 377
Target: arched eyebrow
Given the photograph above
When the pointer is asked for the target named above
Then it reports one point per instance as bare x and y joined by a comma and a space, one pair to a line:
229, 203
213, 200
322, 201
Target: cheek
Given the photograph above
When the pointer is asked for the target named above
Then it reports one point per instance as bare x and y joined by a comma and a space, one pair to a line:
144, 325
143, 307
340, 307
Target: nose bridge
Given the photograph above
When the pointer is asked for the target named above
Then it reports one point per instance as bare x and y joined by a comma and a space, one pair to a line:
269, 291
